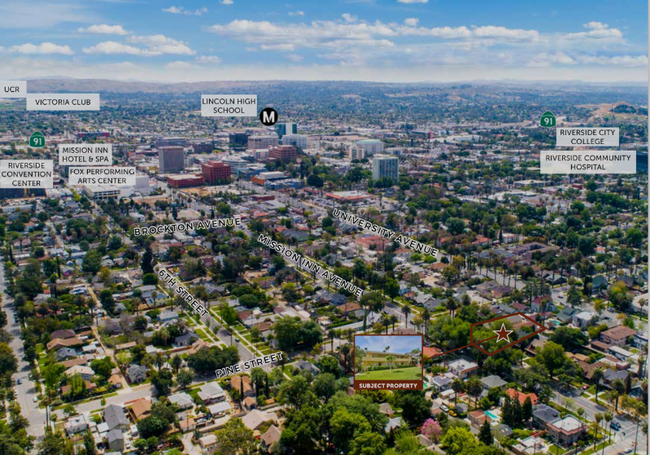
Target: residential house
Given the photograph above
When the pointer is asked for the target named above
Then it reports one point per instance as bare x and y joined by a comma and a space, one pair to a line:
141, 408
306, 365
584, 319
543, 415
59, 343
441, 383
115, 418
115, 440
62, 334
270, 438
618, 335
477, 418
182, 400
85, 372
219, 409
462, 368
76, 424
566, 431
208, 444
136, 374
521, 396
493, 382
186, 339
211, 393
243, 384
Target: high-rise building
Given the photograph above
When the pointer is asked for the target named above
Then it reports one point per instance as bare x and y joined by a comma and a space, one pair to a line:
385, 166
238, 139
171, 159
371, 146
262, 142
283, 153
285, 128
357, 153
215, 172
170, 142
297, 140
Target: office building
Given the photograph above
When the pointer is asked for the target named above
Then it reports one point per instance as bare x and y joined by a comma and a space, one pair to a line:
285, 128
371, 146
215, 172
262, 142
297, 140
385, 166
171, 159
170, 142
284, 153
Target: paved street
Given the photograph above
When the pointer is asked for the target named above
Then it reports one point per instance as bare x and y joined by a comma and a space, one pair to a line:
26, 392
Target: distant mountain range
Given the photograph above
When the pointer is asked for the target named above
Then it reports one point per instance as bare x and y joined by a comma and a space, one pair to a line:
62, 84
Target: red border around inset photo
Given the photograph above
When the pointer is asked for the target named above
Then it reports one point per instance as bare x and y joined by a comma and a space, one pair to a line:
387, 384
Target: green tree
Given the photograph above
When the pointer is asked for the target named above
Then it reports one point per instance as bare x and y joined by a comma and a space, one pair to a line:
345, 426
485, 435
92, 262
324, 386
235, 438
459, 440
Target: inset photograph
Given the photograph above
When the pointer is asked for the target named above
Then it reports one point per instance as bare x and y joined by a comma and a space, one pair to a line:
381, 358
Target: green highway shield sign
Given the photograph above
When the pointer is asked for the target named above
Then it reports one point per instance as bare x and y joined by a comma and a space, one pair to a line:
37, 140
547, 120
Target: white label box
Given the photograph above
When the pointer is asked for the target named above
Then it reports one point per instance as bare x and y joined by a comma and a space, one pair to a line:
26, 174
587, 137
85, 154
229, 105
588, 162
13, 89
63, 102
104, 175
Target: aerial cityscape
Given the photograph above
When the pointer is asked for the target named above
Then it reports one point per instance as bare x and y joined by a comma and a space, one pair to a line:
373, 230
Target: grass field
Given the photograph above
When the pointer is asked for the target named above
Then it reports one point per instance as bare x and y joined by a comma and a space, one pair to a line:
408, 373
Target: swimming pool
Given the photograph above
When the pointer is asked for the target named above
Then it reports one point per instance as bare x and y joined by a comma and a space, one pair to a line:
491, 415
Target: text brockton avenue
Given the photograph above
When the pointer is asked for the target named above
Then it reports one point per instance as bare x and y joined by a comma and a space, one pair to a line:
310, 265
171, 228
387, 233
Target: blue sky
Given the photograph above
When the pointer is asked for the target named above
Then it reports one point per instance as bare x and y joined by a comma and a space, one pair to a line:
398, 344
382, 40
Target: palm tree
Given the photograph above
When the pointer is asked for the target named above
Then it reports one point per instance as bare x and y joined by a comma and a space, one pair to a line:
597, 377
331, 335
451, 305
608, 416
596, 426
406, 309
393, 320
458, 386
390, 359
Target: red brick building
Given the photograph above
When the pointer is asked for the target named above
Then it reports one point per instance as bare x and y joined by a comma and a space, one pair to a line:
184, 181
215, 171
283, 153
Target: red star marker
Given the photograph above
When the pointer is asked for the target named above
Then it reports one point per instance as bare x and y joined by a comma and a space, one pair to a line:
503, 333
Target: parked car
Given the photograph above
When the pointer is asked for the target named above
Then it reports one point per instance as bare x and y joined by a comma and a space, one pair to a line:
444, 408
19, 381
616, 426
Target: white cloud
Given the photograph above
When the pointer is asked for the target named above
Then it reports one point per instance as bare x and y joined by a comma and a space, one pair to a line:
277, 47
226, 2
161, 44
41, 49
178, 66
208, 59
40, 14
349, 18
596, 25
619, 60
294, 58
597, 31
113, 48
185, 12
411, 21
296, 13
104, 29
412, 1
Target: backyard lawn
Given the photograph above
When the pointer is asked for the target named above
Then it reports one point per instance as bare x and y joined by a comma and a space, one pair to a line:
407, 373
